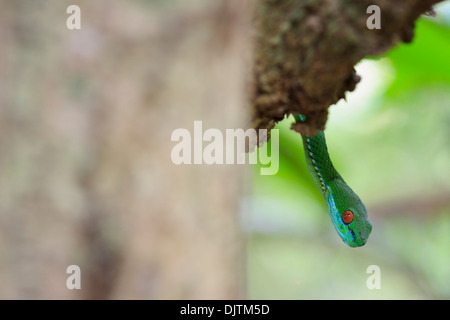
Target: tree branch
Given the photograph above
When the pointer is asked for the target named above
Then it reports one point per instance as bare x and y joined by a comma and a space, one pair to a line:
306, 51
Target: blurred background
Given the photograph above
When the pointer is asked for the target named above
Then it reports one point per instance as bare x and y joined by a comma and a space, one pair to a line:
86, 177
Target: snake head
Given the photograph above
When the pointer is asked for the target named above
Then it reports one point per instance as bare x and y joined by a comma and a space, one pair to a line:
356, 226
348, 213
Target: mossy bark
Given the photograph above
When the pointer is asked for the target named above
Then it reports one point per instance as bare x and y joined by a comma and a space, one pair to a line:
305, 53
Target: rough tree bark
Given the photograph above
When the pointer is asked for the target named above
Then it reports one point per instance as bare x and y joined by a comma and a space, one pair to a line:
306, 50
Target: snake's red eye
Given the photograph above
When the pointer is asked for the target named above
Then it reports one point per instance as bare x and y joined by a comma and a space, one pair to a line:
347, 217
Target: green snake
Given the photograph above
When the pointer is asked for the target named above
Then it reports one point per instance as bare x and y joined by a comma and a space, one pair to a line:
348, 213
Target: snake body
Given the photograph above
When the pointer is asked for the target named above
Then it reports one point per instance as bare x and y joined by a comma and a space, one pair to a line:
348, 213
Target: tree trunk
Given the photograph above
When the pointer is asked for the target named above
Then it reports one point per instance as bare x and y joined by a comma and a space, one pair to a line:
85, 153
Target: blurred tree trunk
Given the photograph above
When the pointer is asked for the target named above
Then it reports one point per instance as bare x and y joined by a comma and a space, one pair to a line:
86, 177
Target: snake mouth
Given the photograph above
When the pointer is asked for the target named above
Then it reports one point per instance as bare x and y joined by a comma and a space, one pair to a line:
354, 239
357, 241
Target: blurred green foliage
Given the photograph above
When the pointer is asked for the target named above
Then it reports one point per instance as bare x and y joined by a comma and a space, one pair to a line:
391, 143
424, 62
